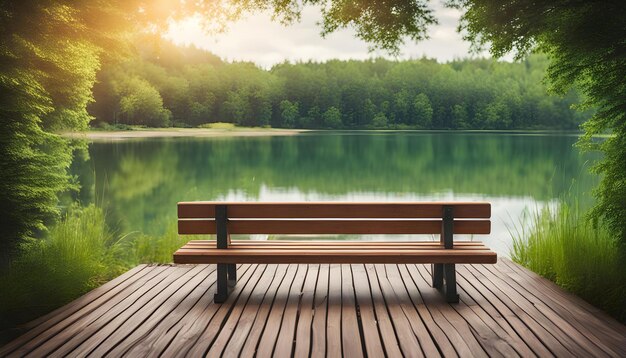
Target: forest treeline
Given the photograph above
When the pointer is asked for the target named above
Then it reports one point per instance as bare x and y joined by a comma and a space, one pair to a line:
167, 85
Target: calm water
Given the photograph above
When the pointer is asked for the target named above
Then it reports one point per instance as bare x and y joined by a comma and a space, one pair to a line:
140, 181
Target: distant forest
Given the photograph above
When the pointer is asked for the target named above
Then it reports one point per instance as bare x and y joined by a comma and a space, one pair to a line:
165, 85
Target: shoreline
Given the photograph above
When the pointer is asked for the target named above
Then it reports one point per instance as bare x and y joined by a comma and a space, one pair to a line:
268, 132
181, 133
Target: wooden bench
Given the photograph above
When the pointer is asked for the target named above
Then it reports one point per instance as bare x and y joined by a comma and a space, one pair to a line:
226, 218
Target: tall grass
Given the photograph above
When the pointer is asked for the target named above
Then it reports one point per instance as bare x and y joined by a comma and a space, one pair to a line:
583, 257
142, 248
79, 253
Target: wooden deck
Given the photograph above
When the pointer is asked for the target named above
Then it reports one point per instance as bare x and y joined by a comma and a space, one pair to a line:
318, 310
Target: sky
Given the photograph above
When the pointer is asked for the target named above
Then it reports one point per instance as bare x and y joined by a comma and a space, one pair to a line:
258, 39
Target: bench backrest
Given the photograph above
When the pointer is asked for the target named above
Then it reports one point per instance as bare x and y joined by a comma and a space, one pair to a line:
334, 218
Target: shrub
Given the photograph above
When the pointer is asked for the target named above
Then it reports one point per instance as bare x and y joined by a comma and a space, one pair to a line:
581, 256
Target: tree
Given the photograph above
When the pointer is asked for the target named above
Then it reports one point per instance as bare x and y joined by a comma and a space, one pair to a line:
423, 111
402, 105
460, 116
380, 121
315, 116
140, 103
369, 111
235, 108
289, 113
45, 84
586, 43
332, 118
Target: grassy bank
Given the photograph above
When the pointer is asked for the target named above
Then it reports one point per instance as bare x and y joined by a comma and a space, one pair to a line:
79, 254
578, 255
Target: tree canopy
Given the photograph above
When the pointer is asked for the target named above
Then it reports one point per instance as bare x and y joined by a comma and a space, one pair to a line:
378, 93
586, 44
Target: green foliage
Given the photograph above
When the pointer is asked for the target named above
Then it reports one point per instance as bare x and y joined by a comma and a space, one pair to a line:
77, 255
45, 83
586, 43
143, 248
582, 257
332, 118
418, 94
380, 120
141, 103
289, 113
423, 110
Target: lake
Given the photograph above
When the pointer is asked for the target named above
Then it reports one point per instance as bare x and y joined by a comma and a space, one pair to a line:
140, 181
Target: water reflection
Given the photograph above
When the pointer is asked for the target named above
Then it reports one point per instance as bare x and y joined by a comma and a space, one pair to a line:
140, 181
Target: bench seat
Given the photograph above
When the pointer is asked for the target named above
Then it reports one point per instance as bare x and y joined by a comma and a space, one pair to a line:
444, 219
348, 252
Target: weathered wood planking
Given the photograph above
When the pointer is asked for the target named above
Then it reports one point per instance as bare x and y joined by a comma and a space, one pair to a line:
321, 227
285, 210
382, 256
325, 310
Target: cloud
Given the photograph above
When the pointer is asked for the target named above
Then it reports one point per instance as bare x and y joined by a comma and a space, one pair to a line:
258, 39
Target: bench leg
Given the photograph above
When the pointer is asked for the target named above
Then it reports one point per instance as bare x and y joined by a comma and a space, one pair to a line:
232, 275
222, 284
450, 278
437, 272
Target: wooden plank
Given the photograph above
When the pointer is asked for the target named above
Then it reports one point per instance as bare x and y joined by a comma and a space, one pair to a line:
287, 332
114, 327
63, 330
258, 210
79, 307
491, 303
335, 247
194, 305
423, 321
561, 317
204, 314
320, 313
390, 275
252, 340
169, 311
451, 323
588, 319
305, 313
186, 256
242, 317
417, 297
163, 315
250, 315
483, 309
274, 320
331, 243
542, 334
371, 337
469, 250
389, 341
401, 326
558, 327
333, 319
240, 293
351, 340
310, 227
382, 248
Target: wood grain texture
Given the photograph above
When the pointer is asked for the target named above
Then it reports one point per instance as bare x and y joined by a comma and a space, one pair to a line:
320, 227
325, 310
284, 210
335, 255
